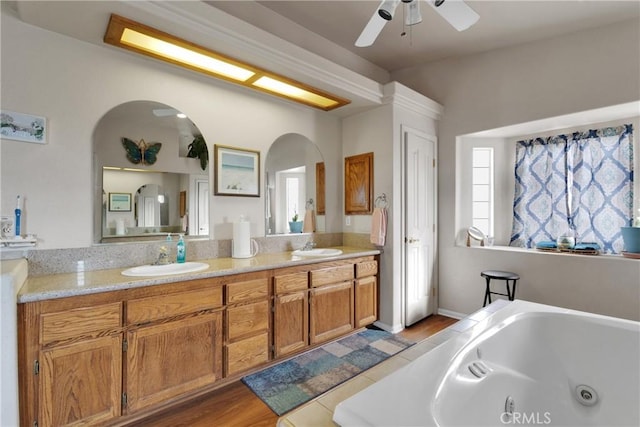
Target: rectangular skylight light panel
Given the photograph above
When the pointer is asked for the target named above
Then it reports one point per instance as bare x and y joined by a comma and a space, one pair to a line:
291, 91
177, 53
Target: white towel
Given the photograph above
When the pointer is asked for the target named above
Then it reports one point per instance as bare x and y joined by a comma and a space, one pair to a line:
309, 225
379, 226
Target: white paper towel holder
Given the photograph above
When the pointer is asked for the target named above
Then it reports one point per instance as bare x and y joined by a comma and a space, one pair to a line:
254, 246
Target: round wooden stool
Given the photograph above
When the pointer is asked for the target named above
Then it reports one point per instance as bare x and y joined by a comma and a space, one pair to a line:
507, 276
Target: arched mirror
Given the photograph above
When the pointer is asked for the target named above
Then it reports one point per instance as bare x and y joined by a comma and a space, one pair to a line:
149, 174
294, 186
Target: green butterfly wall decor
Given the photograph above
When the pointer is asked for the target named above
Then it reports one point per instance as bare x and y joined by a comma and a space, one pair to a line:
141, 152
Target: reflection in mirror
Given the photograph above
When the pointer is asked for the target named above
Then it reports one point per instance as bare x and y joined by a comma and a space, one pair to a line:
152, 207
169, 195
291, 186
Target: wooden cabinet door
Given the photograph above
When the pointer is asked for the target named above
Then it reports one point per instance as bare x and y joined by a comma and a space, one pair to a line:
358, 184
169, 359
81, 383
290, 322
331, 312
366, 301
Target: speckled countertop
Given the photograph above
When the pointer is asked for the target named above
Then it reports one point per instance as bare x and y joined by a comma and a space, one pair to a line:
53, 286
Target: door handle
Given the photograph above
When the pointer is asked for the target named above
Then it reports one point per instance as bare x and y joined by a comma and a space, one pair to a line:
411, 240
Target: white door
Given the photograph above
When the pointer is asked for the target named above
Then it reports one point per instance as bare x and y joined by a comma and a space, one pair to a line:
419, 232
202, 188
149, 216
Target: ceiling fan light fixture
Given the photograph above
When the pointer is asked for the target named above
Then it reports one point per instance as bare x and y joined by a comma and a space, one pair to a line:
387, 9
412, 15
457, 13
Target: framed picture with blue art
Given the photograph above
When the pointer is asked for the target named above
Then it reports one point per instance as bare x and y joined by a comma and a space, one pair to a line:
23, 127
119, 202
237, 172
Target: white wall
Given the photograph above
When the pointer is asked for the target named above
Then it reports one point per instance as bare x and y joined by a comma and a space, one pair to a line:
372, 131
578, 72
380, 131
73, 84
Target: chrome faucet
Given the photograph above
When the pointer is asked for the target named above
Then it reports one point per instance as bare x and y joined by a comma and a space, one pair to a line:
309, 245
163, 256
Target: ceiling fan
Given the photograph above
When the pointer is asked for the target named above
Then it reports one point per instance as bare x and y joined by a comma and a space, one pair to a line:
456, 12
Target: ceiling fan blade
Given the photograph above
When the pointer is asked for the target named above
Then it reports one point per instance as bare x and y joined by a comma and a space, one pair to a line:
456, 12
377, 22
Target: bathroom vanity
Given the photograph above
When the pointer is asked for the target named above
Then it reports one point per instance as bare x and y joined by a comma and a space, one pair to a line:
101, 348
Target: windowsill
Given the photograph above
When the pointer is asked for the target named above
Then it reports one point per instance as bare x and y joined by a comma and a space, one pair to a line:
548, 253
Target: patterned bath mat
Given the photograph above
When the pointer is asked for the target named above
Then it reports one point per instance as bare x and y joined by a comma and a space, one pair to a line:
293, 382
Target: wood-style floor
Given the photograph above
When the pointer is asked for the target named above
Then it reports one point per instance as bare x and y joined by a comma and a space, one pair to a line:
235, 405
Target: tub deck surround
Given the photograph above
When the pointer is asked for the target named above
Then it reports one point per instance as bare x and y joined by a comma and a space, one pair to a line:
500, 357
13, 273
389, 395
89, 282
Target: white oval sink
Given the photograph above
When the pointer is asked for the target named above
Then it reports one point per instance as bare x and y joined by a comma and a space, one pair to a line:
317, 252
164, 270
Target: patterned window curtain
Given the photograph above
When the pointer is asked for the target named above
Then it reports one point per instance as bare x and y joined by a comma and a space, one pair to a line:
581, 182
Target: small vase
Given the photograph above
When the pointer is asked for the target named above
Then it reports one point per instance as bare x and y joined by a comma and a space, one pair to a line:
631, 239
295, 226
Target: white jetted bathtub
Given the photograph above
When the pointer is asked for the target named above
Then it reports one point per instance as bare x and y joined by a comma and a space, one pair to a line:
527, 364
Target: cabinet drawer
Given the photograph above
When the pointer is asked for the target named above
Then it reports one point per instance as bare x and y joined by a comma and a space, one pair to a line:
145, 310
79, 322
248, 290
331, 275
291, 282
247, 354
367, 268
246, 319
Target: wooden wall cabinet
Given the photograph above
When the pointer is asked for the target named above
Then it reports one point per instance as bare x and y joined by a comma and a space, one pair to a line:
358, 184
320, 189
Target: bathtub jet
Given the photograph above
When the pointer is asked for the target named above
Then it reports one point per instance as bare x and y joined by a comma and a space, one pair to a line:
526, 364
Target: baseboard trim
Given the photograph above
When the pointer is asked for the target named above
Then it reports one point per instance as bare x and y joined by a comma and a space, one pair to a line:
393, 329
453, 314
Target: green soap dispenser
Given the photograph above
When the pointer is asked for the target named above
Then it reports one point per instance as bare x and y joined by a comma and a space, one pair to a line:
181, 250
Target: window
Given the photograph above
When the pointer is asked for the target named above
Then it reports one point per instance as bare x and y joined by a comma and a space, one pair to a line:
580, 182
292, 197
482, 189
